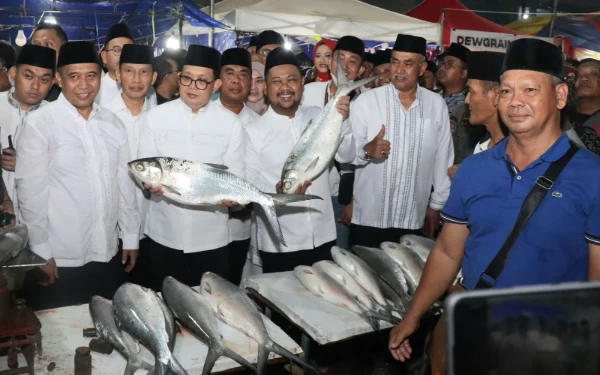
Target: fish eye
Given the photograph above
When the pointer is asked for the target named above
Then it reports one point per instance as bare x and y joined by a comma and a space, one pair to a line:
139, 167
288, 184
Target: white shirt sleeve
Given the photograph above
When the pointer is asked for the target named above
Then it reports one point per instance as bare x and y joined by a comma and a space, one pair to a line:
128, 219
346, 153
234, 158
443, 160
32, 179
359, 126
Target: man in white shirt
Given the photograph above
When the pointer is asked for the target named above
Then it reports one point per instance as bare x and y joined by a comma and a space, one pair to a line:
236, 73
136, 76
33, 75
400, 161
186, 241
308, 227
341, 176
74, 189
118, 36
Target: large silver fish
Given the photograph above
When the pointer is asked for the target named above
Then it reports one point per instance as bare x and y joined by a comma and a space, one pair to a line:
385, 267
326, 288
14, 269
353, 288
141, 313
317, 145
234, 307
420, 245
12, 241
411, 264
101, 311
195, 313
199, 184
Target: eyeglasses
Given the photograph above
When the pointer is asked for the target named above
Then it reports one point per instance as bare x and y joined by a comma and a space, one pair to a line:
200, 83
115, 50
447, 64
265, 52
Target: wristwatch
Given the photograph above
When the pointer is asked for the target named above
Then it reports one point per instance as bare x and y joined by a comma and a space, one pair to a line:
365, 154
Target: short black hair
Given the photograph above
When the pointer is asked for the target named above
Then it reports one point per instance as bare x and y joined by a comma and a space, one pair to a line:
8, 54
50, 26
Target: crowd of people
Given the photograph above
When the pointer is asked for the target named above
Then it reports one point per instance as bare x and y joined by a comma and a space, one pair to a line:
462, 141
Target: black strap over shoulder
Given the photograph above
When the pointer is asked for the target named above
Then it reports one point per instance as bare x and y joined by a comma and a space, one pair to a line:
488, 278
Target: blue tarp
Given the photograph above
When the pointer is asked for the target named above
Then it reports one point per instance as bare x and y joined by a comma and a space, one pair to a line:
90, 20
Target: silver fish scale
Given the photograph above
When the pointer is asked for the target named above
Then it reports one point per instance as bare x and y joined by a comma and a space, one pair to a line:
202, 184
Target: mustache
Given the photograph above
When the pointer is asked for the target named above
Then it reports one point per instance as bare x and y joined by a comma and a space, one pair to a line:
287, 92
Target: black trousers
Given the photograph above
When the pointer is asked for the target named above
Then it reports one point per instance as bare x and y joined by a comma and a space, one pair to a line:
75, 285
238, 253
373, 237
187, 268
281, 262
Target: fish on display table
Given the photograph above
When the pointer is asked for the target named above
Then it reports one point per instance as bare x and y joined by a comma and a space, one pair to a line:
316, 148
326, 288
411, 264
200, 184
101, 311
141, 313
420, 245
231, 305
195, 313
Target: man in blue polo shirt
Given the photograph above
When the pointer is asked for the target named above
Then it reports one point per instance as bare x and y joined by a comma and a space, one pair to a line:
561, 240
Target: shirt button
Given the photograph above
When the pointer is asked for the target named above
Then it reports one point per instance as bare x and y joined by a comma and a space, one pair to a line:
519, 178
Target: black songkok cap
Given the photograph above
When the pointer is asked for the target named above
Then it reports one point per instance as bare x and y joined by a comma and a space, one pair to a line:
456, 50
42, 57
207, 57
370, 57
268, 37
252, 41
536, 55
383, 57
136, 54
589, 59
281, 56
485, 65
431, 67
351, 44
410, 43
119, 30
80, 52
237, 56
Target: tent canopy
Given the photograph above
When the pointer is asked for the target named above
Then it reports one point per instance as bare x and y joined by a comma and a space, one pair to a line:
90, 20
456, 16
327, 18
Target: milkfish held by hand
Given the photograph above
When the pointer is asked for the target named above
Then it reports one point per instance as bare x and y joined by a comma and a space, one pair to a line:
199, 184
319, 142
231, 305
142, 314
195, 313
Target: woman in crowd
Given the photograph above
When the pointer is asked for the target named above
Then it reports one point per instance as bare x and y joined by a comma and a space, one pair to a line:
256, 99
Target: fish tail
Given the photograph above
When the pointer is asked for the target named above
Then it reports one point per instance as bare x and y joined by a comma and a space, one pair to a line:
385, 317
274, 221
176, 367
261, 362
283, 199
239, 359
210, 360
278, 349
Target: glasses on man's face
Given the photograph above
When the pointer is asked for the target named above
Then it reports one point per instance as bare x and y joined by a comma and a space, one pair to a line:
200, 83
447, 64
265, 52
115, 50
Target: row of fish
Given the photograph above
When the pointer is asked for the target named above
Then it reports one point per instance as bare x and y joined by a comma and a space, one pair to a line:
137, 314
376, 284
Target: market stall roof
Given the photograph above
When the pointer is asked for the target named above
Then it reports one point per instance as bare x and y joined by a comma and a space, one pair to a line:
327, 18
90, 20
456, 16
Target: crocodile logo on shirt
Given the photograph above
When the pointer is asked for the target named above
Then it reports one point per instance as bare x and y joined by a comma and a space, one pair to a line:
556, 194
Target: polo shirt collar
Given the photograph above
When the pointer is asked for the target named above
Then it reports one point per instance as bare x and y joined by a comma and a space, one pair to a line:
555, 152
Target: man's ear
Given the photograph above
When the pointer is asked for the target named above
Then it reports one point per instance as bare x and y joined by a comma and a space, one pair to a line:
119, 75
154, 77
12, 72
562, 95
58, 78
218, 84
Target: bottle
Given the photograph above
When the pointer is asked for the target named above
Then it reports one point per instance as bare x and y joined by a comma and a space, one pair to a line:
83, 361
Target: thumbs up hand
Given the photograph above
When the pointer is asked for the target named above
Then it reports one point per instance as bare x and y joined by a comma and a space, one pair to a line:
378, 148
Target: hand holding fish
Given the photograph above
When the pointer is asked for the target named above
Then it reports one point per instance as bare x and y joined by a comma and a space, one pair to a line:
9, 159
156, 190
399, 345
301, 190
378, 148
343, 106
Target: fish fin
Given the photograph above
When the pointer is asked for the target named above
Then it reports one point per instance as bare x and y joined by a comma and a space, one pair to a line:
261, 362
239, 359
283, 199
271, 214
210, 360
372, 322
171, 189
354, 85
379, 316
176, 367
217, 166
278, 349
340, 79
313, 164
